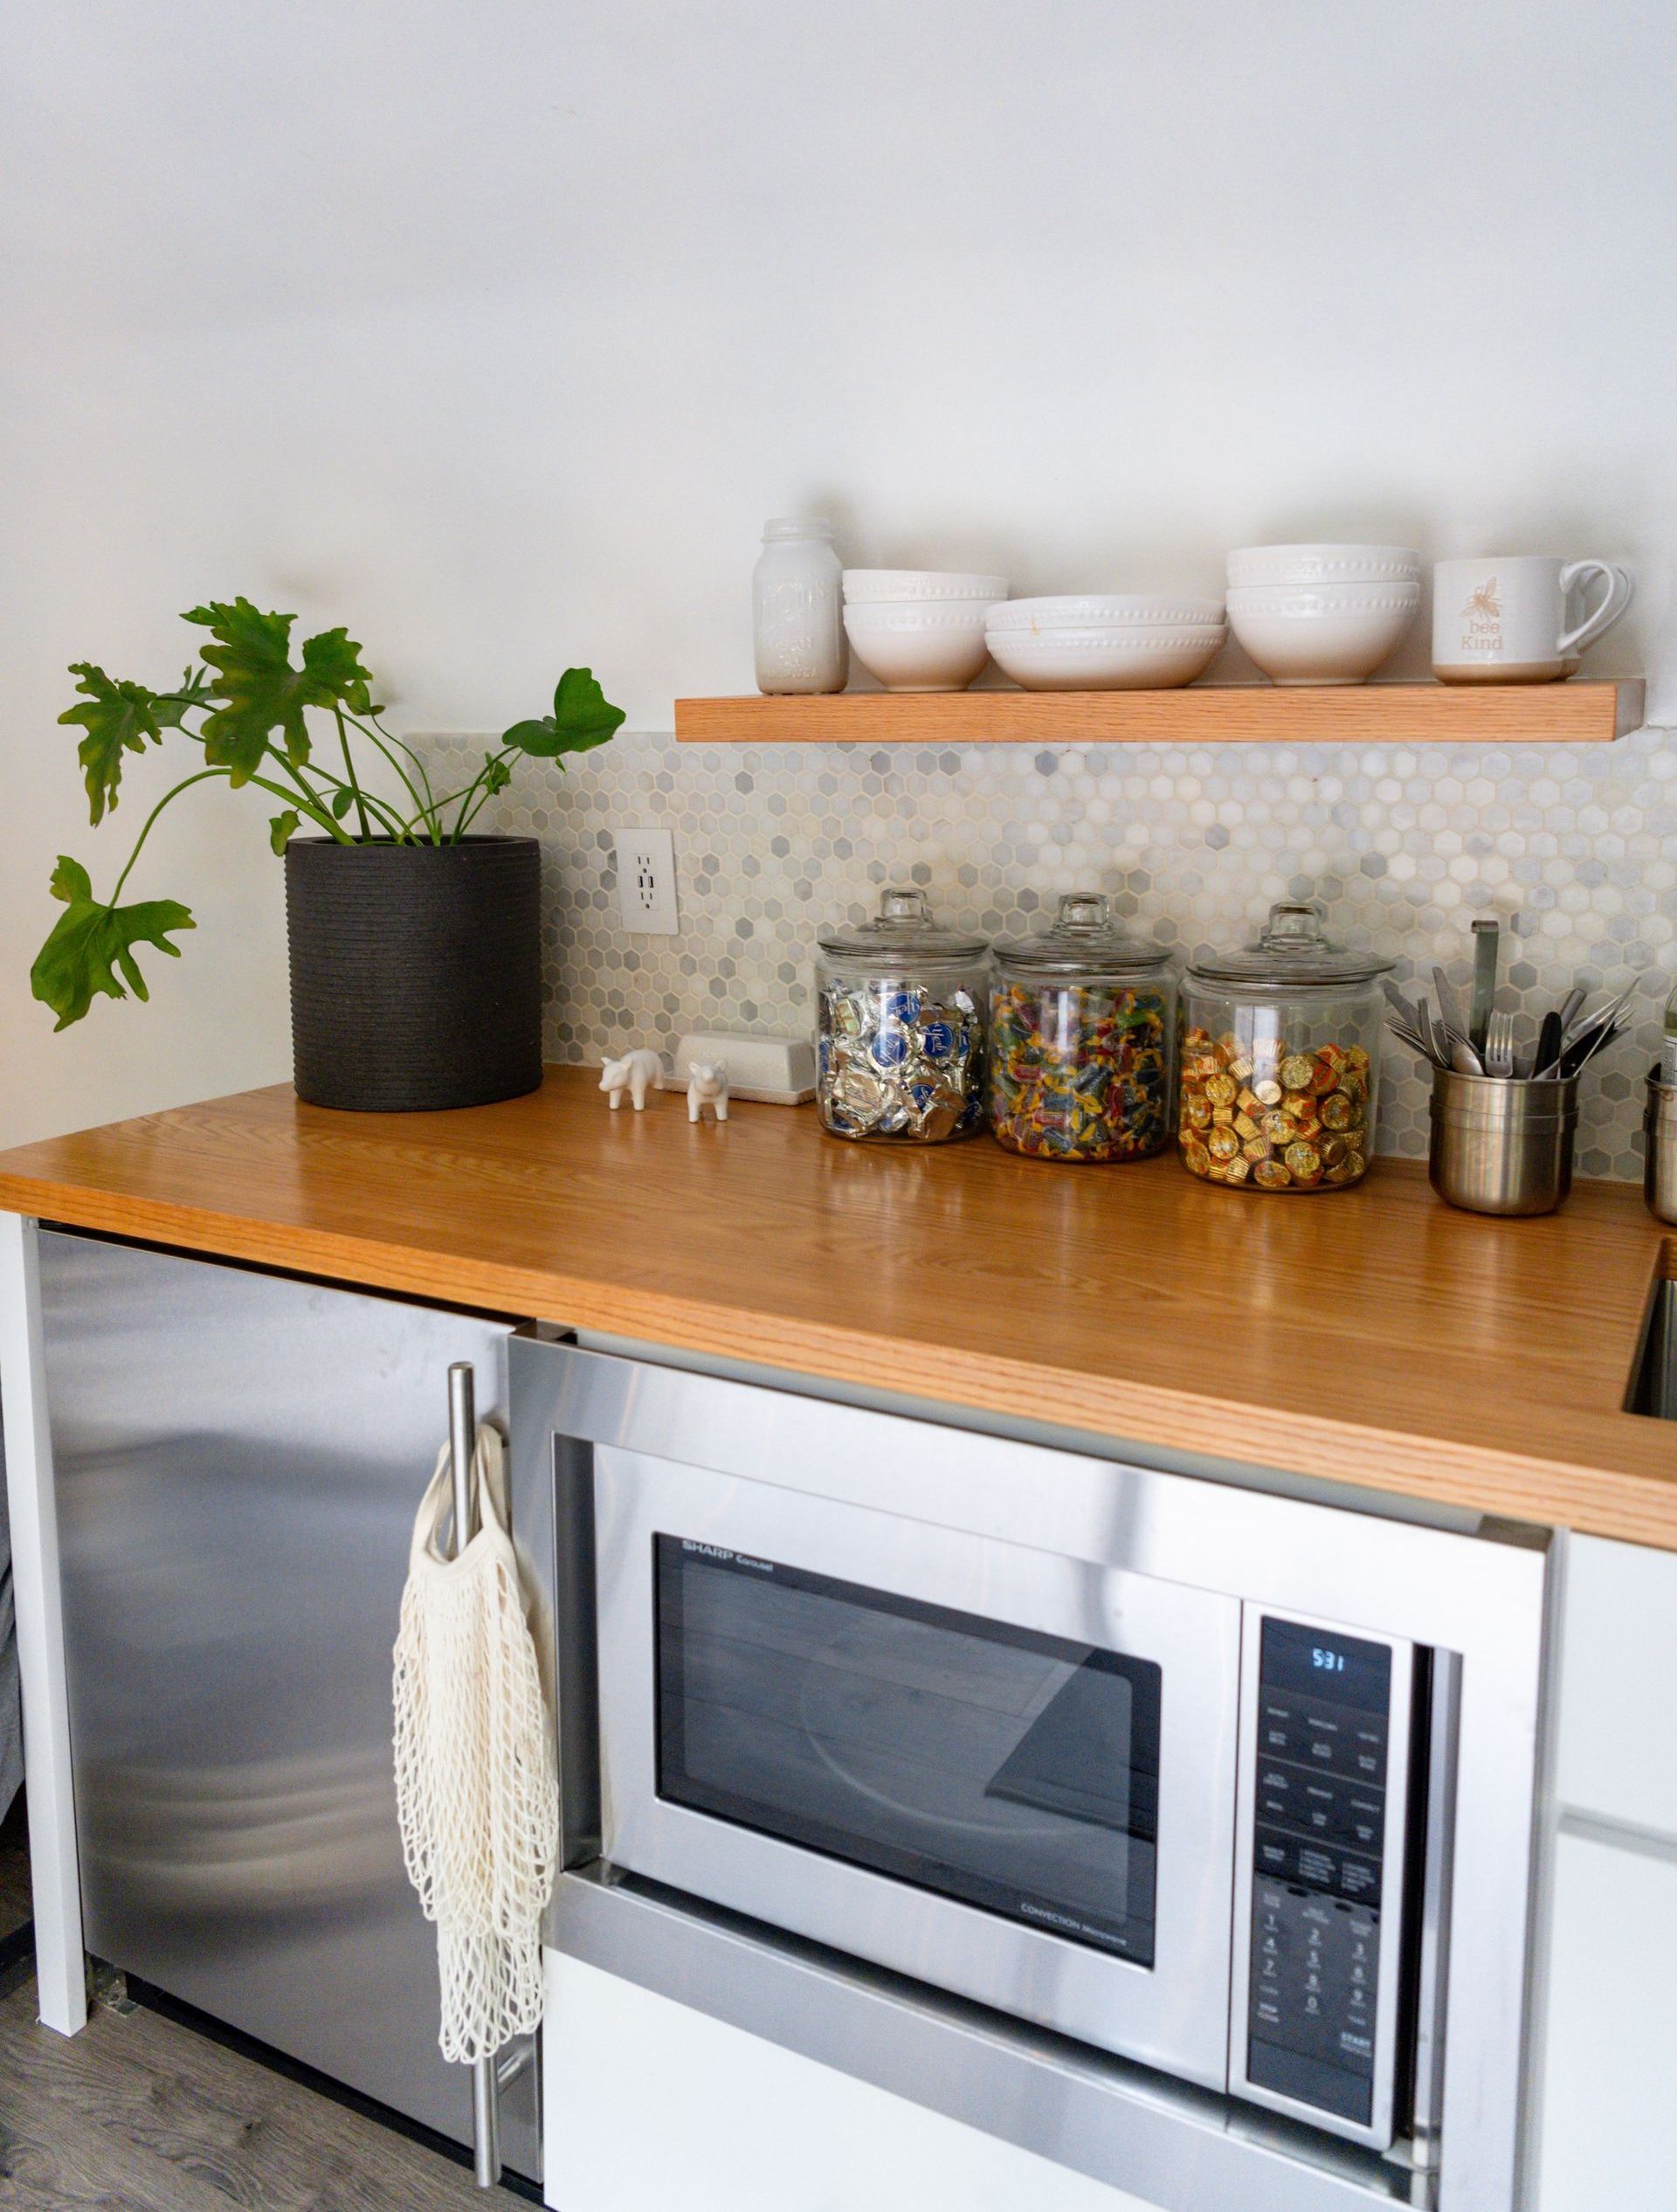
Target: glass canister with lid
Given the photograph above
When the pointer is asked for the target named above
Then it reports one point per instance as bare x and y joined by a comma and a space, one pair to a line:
1082, 1034
1280, 1059
901, 1010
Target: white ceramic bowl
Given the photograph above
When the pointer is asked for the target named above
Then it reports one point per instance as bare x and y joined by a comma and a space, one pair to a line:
874, 587
912, 646
1322, 633
1110, 611
1324, 565
1113, 659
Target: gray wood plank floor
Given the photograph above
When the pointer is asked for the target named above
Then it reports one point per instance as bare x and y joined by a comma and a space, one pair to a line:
14, 1870
139, 2112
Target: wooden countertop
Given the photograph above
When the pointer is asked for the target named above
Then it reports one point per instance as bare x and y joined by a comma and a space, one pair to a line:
1371, 1336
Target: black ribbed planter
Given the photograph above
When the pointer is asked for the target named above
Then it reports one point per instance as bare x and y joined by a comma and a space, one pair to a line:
416, 972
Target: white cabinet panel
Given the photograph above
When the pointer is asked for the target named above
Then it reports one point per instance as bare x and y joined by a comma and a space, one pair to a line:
1611, 2056
650, 2106
1617, 1753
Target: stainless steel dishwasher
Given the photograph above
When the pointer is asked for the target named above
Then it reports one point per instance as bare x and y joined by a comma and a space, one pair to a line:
239, 1458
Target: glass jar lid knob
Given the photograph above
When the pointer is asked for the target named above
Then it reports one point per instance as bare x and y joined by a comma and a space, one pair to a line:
906, 906
1293, 925
1082, 910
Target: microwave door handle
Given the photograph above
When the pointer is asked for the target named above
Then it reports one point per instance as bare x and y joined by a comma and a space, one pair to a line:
1433, 1975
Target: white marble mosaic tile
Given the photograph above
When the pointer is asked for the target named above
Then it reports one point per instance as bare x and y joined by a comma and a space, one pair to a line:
1573, 848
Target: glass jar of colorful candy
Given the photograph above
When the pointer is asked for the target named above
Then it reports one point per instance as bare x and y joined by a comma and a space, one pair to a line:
1082, 1033
1280, 1059
900, 1014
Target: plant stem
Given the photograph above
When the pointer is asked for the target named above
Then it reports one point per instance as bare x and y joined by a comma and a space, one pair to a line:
312, 807
203, 777
469, 813
387, 817
465, 791
313, 804
382, 740
431, 806
349, 770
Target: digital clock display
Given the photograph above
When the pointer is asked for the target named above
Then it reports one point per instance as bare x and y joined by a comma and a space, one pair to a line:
1343, 1668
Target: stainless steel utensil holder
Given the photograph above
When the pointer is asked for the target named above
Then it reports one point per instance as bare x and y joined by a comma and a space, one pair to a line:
462, 1453
1501, 1145
1660, 1149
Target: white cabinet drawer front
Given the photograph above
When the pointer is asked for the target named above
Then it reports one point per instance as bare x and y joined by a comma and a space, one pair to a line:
1611, 2055
650, 2107
1617, 1756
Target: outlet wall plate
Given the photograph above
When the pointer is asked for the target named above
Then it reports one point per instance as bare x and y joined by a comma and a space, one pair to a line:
646, 880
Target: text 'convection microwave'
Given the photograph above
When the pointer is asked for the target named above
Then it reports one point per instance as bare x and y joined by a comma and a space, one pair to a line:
1232, 1787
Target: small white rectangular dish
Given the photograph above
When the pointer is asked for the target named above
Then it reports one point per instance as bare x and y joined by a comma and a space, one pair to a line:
774, 1071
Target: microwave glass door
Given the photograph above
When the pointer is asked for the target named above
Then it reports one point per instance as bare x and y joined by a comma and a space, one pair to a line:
1015, 1770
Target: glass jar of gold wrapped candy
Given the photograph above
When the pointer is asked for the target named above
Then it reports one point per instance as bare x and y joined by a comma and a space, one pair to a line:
1279, 1060
1082, 1038
901, 1016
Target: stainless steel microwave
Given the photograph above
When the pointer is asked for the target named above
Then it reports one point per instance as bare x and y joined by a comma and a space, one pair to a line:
1234, 1786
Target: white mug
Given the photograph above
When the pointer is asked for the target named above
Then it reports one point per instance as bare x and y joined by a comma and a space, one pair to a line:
1503, 619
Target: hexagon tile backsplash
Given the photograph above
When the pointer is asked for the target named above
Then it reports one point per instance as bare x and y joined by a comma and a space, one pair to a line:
1573, 849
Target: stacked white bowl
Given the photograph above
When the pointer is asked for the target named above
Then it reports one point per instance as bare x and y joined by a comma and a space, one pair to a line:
919, 629
1121, 642
1320, 614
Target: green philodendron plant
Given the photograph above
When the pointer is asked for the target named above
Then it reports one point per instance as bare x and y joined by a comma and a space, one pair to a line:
252, 706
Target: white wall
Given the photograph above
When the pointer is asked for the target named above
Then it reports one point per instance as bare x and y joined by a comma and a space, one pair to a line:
495, 330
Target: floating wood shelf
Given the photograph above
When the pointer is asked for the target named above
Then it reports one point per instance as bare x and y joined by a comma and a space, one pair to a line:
1576, 713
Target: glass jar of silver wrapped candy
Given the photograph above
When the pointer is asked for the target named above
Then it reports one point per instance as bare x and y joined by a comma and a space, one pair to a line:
901, 1009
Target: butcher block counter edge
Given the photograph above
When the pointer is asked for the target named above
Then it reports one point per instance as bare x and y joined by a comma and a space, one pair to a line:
1371, 1337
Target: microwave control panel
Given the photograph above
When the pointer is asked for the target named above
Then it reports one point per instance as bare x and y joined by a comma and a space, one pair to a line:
1322, 1873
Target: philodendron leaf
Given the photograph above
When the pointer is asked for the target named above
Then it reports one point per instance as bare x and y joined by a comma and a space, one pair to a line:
282, 828
172, 706
342, 802
582, 718
91, 950
259, 690
118, 718
332, 666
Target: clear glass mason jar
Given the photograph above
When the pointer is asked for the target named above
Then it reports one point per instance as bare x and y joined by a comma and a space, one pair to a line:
1082, 1040
901, 1012
1280, 1059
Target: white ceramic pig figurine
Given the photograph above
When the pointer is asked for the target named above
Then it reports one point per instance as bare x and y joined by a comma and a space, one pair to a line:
706, 1086
637, 1073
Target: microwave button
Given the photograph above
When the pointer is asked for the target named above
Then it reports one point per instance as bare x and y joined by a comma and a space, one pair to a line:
1320, 1722
1365, 1820
1275, 1785
1359, 1879
1321, 1807
1278, 1729
1368, 1745
1274, 1855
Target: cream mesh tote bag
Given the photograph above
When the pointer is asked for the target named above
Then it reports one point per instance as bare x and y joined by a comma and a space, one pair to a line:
476, 1788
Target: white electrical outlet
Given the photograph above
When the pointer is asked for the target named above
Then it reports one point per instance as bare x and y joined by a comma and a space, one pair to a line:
646, 880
